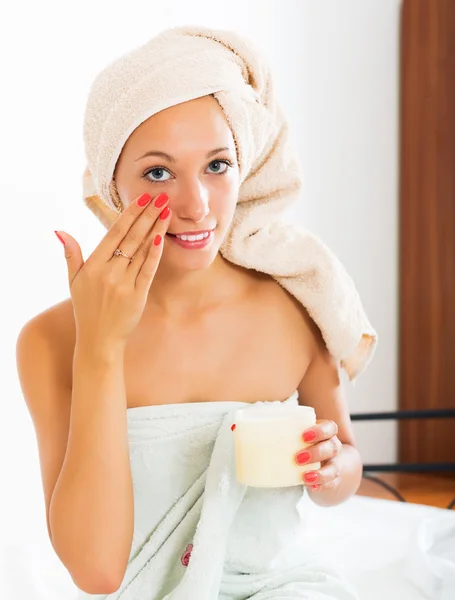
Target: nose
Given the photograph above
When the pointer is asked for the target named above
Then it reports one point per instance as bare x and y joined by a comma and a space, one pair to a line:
192, 202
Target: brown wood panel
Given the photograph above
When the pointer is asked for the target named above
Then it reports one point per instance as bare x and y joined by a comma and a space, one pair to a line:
431, 490
427, 226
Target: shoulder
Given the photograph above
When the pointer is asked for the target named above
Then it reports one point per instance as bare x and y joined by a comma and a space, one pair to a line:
52, 332
289, 313
290, 327
56, 322
44, 367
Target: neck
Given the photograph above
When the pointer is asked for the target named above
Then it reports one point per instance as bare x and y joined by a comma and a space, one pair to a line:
175, 293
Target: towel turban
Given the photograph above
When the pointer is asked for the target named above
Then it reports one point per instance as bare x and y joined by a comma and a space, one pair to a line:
185, 63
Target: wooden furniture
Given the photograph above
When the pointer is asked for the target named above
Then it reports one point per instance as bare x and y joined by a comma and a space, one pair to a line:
427, 228
432, 490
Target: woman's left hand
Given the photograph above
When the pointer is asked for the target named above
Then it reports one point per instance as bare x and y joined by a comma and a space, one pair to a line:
326, 449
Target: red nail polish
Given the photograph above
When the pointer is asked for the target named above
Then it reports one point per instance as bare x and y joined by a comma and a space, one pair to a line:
309, 436
233, 427
165, 213
311, 477
60, 237
302, 457
157, 240
161, 200
144, 199
315, 487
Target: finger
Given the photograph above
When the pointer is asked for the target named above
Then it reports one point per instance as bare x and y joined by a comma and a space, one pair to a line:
319, 452
329, 472
119, 229
322, 487
323, 430
140, 229
73, 255
149, 256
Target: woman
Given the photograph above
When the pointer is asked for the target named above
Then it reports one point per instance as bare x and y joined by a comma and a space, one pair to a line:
168, 329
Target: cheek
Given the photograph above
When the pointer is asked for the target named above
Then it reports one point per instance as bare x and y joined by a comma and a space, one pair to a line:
224, 201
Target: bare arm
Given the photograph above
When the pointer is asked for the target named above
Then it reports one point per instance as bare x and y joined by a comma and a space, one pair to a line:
82, 433
82, 439
341, 472
91, 511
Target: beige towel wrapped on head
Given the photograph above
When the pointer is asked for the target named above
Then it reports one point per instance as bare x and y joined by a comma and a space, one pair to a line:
185, 63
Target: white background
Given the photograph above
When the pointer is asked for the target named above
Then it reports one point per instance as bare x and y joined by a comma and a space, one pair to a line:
336, 66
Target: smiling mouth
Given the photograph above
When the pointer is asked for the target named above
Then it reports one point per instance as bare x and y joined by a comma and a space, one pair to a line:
191, 237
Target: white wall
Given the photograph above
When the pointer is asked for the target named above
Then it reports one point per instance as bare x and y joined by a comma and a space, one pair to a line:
336, 67
343, 106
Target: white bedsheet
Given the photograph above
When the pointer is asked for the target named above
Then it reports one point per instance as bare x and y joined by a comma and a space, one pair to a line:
384, 548
378, 544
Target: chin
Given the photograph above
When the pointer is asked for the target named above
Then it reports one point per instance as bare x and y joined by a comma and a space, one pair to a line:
178, 258
188, 265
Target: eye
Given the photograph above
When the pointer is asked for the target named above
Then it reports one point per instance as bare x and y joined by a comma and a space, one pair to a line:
158, 174
218, 166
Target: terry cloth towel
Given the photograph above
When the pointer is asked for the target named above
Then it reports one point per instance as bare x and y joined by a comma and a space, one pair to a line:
201, 535
185, 63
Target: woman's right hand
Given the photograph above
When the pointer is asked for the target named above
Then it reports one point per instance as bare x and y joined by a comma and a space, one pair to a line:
109, 293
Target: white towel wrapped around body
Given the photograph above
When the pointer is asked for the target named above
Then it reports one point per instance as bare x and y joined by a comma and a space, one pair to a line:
186, 63
201, 535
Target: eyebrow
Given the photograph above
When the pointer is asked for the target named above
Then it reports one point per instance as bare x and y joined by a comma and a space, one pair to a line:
173, 160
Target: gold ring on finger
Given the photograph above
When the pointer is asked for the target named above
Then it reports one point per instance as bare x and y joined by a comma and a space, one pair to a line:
119, 252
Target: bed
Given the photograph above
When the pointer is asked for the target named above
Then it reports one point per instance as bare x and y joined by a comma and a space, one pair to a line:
384, 547
389, 549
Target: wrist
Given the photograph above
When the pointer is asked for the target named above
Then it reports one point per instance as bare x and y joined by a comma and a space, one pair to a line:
95, 352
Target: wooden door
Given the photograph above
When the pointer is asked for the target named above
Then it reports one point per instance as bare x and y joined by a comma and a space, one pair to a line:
427, 227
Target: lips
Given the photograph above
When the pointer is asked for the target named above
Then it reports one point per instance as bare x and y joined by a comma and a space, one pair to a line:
192, 241
191, 232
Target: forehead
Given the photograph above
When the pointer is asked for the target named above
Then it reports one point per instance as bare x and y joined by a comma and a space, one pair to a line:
200, 123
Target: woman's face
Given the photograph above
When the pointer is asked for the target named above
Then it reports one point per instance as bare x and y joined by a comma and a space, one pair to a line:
188, 152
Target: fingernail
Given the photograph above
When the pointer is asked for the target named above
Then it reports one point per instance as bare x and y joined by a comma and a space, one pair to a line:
310, 477
157, 240
59, 237
309, 436
302, 457
165, 213
233, 427
161, 200
144, 199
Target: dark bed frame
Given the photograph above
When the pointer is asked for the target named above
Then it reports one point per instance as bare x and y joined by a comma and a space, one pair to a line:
406, 467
